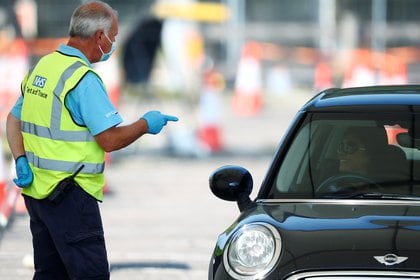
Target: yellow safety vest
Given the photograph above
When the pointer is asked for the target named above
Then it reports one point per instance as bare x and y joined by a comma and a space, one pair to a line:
54, 144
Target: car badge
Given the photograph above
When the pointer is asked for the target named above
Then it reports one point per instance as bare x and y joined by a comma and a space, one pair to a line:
390, 259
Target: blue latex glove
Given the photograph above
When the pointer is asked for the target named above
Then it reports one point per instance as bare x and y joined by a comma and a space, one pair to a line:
156, 121
23, 172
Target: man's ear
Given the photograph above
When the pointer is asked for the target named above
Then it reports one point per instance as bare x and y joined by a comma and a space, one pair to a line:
98, 36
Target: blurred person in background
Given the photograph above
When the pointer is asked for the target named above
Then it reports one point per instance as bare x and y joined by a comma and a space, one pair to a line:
58, 132
139, 54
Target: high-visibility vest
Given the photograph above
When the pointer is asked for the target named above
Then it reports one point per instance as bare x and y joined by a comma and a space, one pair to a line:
54, 144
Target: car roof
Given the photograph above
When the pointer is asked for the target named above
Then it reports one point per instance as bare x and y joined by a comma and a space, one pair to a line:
399, 98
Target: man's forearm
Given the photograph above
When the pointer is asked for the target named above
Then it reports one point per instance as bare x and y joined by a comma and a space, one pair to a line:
116, 138
14, 136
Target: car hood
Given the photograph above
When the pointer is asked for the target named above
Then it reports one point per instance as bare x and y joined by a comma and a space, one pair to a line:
346, 235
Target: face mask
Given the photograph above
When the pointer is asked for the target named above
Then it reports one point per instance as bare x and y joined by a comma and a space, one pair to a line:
105, 56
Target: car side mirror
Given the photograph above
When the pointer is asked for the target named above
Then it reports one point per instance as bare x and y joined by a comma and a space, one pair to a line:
232, 183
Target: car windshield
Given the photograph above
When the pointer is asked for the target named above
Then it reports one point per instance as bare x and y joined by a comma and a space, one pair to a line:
351, 155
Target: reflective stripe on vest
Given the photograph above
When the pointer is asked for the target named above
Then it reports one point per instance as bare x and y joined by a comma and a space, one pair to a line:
65, 166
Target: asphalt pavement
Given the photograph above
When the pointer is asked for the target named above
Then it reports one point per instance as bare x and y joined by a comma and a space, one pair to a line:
160, 218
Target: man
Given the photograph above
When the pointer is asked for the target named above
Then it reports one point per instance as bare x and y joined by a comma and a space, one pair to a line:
58, 132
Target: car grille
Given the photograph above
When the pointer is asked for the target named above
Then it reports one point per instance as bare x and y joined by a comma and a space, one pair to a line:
362, 275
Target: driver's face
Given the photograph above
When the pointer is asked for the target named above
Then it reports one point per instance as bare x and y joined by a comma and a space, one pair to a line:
352, 155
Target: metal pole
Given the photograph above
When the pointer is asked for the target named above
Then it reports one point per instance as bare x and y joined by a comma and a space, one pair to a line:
235, 31
379, 11
327, 23
378, 43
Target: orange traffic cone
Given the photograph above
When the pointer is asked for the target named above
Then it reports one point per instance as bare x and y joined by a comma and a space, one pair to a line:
393, 72
3, 192
322, 76
209, 132
19, 203
247, 99
3, 215
16, 54
361, 71
14, 199
8, 194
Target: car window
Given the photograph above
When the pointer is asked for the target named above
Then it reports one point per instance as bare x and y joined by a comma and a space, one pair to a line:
337, 154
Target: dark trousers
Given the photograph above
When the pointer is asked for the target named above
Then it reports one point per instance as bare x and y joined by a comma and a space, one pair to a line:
68, 238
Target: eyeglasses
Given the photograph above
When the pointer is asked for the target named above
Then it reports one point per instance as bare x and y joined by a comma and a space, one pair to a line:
349, 147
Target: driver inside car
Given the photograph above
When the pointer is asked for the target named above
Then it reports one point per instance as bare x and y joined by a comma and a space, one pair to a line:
353, 155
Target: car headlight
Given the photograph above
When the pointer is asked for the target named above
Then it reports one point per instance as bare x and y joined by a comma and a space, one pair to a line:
252, 251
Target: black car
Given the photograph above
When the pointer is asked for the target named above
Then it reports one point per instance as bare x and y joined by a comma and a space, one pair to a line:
341, 198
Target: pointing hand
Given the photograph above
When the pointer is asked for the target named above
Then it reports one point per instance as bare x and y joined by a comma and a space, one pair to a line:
156, 121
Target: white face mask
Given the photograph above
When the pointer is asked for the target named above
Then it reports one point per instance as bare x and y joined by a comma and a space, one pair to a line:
105, 56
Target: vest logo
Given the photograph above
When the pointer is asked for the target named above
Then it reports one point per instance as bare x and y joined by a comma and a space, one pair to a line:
39, 81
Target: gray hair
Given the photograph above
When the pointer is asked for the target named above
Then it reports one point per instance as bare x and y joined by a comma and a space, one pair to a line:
91, 17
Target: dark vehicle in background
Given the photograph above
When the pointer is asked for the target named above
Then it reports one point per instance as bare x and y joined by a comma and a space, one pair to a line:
341, 198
